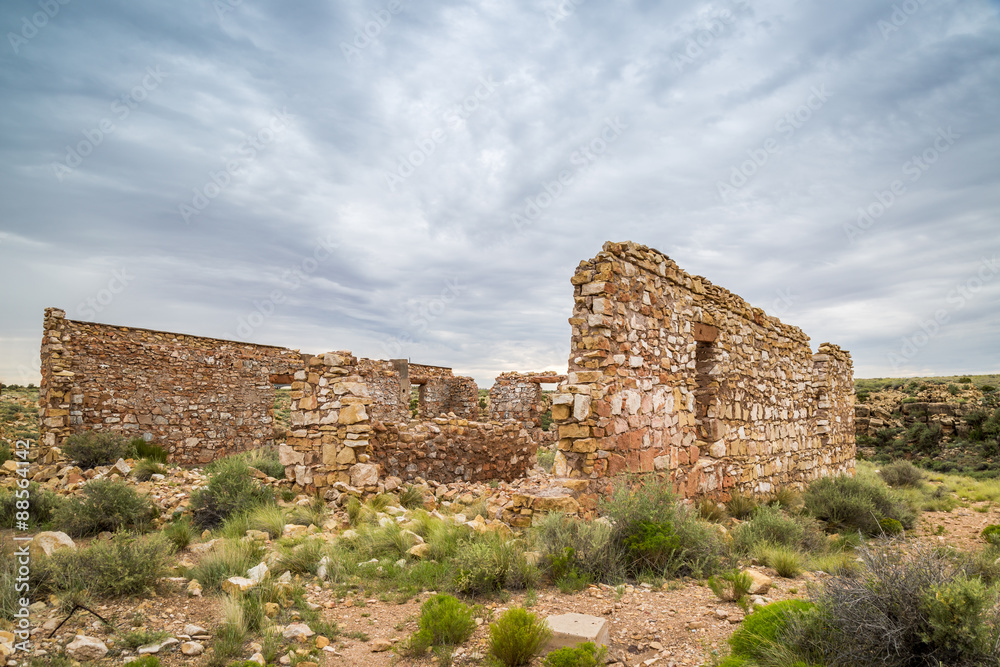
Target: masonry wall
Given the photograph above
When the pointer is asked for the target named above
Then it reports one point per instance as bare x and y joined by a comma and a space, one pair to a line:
447, 450
199, 398
672, 374
516, 396
390, 401
457, 395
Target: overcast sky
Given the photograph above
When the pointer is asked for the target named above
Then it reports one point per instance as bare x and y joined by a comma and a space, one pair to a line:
420, 179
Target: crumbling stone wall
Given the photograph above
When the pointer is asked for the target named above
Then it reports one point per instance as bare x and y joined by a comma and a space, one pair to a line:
672, 374
330, 440
388, 389
447, 450
443, 395
519, 396
199, 398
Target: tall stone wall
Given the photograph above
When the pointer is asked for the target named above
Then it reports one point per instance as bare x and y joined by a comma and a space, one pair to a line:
447, 450
672, 374
199, 398
519, 396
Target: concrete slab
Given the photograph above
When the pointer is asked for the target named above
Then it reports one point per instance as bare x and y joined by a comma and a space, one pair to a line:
573, 629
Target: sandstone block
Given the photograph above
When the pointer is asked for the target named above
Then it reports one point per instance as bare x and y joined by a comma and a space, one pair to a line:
573, 629
84, 648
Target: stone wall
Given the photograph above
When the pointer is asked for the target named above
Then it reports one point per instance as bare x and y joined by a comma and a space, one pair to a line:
448, 450
519, 396
443, 395
330, 439
388, 389
672, 374
199, 398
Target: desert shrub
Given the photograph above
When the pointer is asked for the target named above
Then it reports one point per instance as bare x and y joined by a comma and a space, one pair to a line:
856, 503
785, 498
304, 558
231, 489
765, 629
97, 448
769, 525
787, 561
650, 529
988, 389
517, 636
569, 544
42, 505
546, 458
890, 526
230, 558
123, 565
907, 607
992, 534
711, 510
146, 468
444, 621
264, 460
886, 436
133, 639
5, 453
411, 497
923, 438
354, 510
149, 451
268, 519
586, 654
901, 473
9, 596
489, 563
105, 505
180, 533
740, 506
965, 380
146, 661
953, 389
731, 586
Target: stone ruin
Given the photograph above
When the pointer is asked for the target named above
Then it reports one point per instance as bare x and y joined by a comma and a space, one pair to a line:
668, 374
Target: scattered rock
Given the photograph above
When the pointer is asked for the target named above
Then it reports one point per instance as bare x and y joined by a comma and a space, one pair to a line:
297, 632
84, 648
49, 542
380, 645
192, 630
761, 582
192, 648
194, 589
234, 585
257, 574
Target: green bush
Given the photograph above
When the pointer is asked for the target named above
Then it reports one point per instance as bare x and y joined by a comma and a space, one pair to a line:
42, 505
992, 534
180, 533
786, 561
902, 473
731, 586
5, 453
444, 621
123, 565
517, 636
740, 506
988, 389
923, 438
266, 461
148, 451
97, 448
411, 497
965, 380
146, 468
586, 654
916, 606
765, 627
646, 520
890, 526
229, 559
150, 661
953, 389
769, 525
231, 489
856, 503
489, 563
571, 545
105, 505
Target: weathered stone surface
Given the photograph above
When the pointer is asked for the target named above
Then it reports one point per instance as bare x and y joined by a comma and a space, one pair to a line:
192, 648
234, 585
761, 582
297, 632
573, 629
84, 648
48, 542
364, 474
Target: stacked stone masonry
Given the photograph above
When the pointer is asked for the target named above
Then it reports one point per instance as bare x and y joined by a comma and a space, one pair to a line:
519, 397
201, 397
451, 449
669, 373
